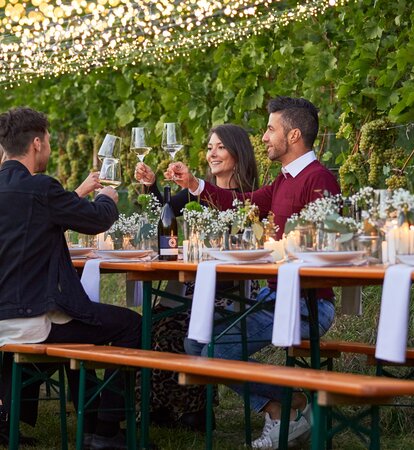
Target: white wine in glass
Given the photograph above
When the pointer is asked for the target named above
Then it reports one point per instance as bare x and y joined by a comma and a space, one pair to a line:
110, 174
140, 142
171, 138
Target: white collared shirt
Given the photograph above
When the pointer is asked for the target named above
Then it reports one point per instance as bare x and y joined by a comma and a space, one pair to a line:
295, 167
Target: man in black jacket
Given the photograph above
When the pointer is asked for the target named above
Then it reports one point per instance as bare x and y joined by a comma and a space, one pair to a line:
41, 297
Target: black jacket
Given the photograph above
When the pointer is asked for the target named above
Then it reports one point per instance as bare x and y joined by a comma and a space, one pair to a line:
36, 272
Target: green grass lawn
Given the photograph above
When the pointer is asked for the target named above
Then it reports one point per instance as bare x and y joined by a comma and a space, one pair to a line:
397, 423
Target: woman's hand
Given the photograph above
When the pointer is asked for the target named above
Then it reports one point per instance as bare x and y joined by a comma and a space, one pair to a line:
144, 174
181, 175
90, 184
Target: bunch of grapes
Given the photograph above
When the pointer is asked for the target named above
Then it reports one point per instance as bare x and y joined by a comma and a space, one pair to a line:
352, 173
377, 134
397, 181
375, 169
395, 156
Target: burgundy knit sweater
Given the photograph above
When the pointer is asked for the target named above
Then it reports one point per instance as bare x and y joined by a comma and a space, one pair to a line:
285, 196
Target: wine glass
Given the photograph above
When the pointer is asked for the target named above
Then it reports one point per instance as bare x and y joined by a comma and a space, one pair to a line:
110, 174
110, 147
171, 138
140, 142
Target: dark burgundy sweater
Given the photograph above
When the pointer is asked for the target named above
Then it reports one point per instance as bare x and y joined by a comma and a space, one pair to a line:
285, 196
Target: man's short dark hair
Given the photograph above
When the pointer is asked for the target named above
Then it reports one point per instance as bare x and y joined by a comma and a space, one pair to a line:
19, 127
297, 113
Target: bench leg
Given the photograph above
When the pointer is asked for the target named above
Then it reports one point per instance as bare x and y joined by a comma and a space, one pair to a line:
15, 406
285, 418
81, 407
319, 432
375, 428
62, 400
130, 409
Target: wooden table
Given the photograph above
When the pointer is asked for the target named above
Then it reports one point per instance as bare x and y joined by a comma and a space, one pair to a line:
311, 278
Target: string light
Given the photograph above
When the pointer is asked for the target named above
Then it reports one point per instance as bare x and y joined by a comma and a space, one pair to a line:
44, 38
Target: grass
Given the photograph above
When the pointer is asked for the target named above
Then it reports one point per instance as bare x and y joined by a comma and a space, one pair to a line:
397, 423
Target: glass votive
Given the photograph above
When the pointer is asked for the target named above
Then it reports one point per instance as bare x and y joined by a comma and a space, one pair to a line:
372, 246
404, 244
328, 241
80, 240
236, 241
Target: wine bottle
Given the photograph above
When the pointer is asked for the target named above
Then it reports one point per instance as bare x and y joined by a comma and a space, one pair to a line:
167, 230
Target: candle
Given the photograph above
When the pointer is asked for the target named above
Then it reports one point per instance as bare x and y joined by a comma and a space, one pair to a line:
411, 240
403, 240
185, 250
391, 245
277, 247
384, 252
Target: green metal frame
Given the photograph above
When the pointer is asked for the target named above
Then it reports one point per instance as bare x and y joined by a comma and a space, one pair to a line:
36, 375
86, 398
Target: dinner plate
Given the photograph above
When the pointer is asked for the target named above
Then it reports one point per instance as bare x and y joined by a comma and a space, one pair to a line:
80, 251
330, 257
123, 253
406, 259
238, 255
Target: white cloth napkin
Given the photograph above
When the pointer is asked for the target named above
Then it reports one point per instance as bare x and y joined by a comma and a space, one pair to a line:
202, 310
393, 324
91, 280
286, 322
134, 293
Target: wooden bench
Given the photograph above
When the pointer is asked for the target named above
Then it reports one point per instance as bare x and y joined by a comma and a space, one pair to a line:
333, 349
331, 388
26, 358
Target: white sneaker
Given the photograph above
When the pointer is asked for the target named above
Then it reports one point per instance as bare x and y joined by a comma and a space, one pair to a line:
271, 430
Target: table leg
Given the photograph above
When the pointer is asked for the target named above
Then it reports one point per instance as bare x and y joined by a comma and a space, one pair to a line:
311, 302
146, 373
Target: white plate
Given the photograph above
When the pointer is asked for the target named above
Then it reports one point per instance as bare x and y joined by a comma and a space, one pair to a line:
238, 255
79, 251
406, 259
122, 253
330, 257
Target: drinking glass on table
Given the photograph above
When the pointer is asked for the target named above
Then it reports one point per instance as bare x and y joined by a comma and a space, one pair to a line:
171, 138
110, 174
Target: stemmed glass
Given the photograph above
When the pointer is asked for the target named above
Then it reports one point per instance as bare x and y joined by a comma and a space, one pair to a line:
110, 147
171, 138
110, 174
140, 142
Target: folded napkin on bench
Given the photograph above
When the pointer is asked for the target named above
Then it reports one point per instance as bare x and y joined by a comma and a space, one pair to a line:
202, 310
393, 324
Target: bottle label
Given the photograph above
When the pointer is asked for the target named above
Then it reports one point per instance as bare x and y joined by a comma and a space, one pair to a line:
168, 245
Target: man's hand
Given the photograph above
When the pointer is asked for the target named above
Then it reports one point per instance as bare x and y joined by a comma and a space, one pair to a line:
109, 192
90, 184
181, 175
144, 174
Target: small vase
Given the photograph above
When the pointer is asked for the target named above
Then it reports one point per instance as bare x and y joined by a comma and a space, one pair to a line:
195, 247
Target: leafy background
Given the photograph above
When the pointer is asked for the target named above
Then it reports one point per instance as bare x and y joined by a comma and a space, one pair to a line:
355, 63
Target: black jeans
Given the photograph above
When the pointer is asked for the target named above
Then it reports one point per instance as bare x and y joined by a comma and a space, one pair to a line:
119, 326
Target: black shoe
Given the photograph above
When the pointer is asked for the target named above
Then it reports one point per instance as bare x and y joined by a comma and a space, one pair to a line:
195, 421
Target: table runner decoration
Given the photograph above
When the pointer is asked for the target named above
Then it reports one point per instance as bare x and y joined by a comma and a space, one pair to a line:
393, 323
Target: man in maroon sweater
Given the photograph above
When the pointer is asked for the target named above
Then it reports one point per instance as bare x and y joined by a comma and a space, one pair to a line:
291, 131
